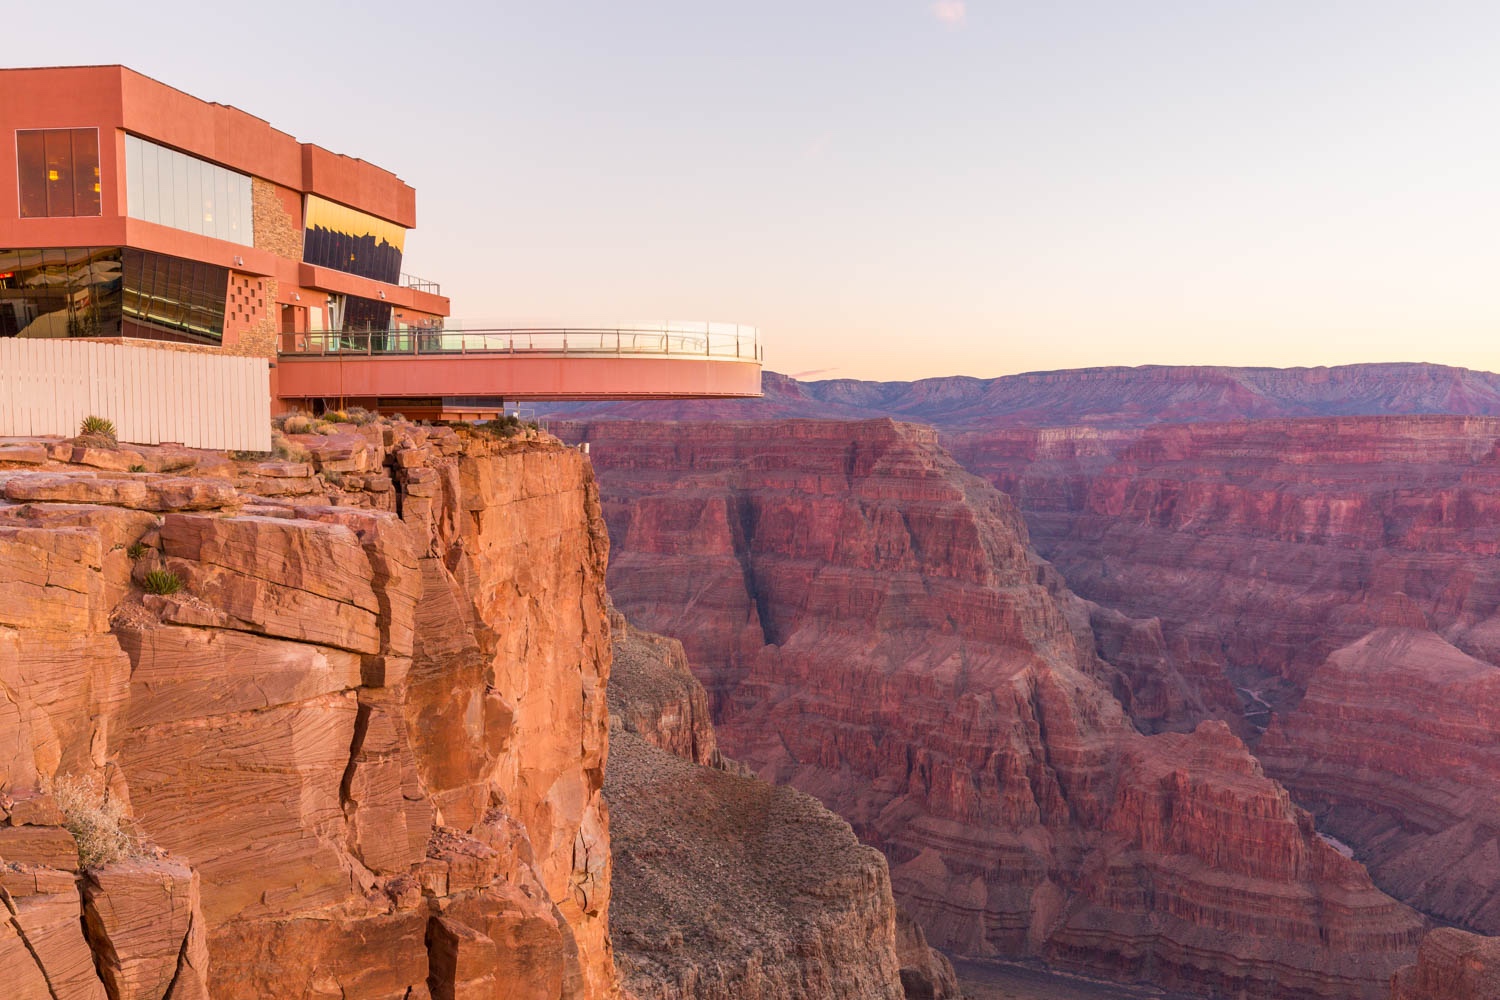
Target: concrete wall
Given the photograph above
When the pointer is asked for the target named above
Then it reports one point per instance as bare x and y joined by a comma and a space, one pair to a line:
153, 396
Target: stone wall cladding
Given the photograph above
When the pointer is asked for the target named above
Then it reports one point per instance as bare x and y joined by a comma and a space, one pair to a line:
276, 230
250, 316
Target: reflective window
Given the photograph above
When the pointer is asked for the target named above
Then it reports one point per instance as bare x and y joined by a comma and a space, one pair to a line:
184, 192
58, 172
169, 298
107, 292
351, 241
60, 292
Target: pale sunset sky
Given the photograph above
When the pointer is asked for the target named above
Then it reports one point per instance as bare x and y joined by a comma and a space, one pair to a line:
894, 189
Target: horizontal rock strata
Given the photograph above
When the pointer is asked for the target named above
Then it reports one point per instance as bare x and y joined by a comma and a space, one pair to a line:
365, 738
873, 629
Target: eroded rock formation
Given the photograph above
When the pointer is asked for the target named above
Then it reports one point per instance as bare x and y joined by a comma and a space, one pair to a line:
1397, 746
366, 737
1451, 965
725, 886
873, 630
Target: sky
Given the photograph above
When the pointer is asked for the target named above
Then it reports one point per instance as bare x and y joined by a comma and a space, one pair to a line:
896, 189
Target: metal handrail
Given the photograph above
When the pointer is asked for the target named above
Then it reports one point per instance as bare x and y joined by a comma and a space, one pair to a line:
421, 284
722, 341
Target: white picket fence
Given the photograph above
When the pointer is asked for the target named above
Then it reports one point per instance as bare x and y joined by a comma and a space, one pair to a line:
152, 395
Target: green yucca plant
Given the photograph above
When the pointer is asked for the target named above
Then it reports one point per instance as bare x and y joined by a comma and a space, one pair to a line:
162, 581
99, 430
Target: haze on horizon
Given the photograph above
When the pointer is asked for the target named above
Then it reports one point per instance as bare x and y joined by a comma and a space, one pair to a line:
897, 190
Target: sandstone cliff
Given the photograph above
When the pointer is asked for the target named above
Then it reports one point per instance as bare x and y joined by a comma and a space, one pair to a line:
366, 737
1451, 965
726, 886
873, 629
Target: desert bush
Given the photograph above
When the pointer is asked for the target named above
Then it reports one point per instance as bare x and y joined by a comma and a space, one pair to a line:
136, 468
162, 581
337, 417
299, 423
288, 450
135, 550
328, 430
505, 426
97, 822
360, 416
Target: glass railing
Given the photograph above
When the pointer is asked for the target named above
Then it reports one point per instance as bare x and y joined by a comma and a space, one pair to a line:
704, 340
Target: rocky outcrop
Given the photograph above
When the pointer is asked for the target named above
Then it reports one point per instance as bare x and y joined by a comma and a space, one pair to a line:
729, 887
726, 886
653, 694
366, 737
1397, 747
1451, 965
873, 630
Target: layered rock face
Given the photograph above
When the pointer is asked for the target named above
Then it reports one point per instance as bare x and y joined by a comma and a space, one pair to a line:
653, 694
367, 735
1451, 965
874, 630
1397, 746
1279, 556
1264, 546
726, 886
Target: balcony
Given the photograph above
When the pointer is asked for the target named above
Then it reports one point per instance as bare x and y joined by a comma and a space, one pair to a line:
667, 361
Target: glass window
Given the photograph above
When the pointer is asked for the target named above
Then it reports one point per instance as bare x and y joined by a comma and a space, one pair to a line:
58, 172
352, 241
187, 193
220, 216
60, 292
169, 298
86, 180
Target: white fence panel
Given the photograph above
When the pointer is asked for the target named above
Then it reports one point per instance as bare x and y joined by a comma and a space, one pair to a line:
153, 395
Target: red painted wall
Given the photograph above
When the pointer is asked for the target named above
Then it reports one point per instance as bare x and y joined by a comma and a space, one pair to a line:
113, 98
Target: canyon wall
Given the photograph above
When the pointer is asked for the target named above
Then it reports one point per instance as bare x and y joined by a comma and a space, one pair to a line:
727, 887
1451, 965
1397, 746
873, 629
1339, 572
364, 741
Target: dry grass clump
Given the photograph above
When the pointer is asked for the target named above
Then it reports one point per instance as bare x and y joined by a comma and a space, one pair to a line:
299, 423
284, 448
97, 822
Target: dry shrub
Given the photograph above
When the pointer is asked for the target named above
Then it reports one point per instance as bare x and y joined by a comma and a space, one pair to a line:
97, 821
299, 423
288, 450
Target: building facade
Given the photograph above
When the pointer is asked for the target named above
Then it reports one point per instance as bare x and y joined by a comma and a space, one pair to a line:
132, 212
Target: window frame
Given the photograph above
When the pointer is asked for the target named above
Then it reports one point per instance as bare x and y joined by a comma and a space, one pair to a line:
73, 167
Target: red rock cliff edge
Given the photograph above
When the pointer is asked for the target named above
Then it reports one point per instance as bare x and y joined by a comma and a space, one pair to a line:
366, 738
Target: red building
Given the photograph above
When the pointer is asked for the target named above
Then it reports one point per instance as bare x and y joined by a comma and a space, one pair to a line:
141, 214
